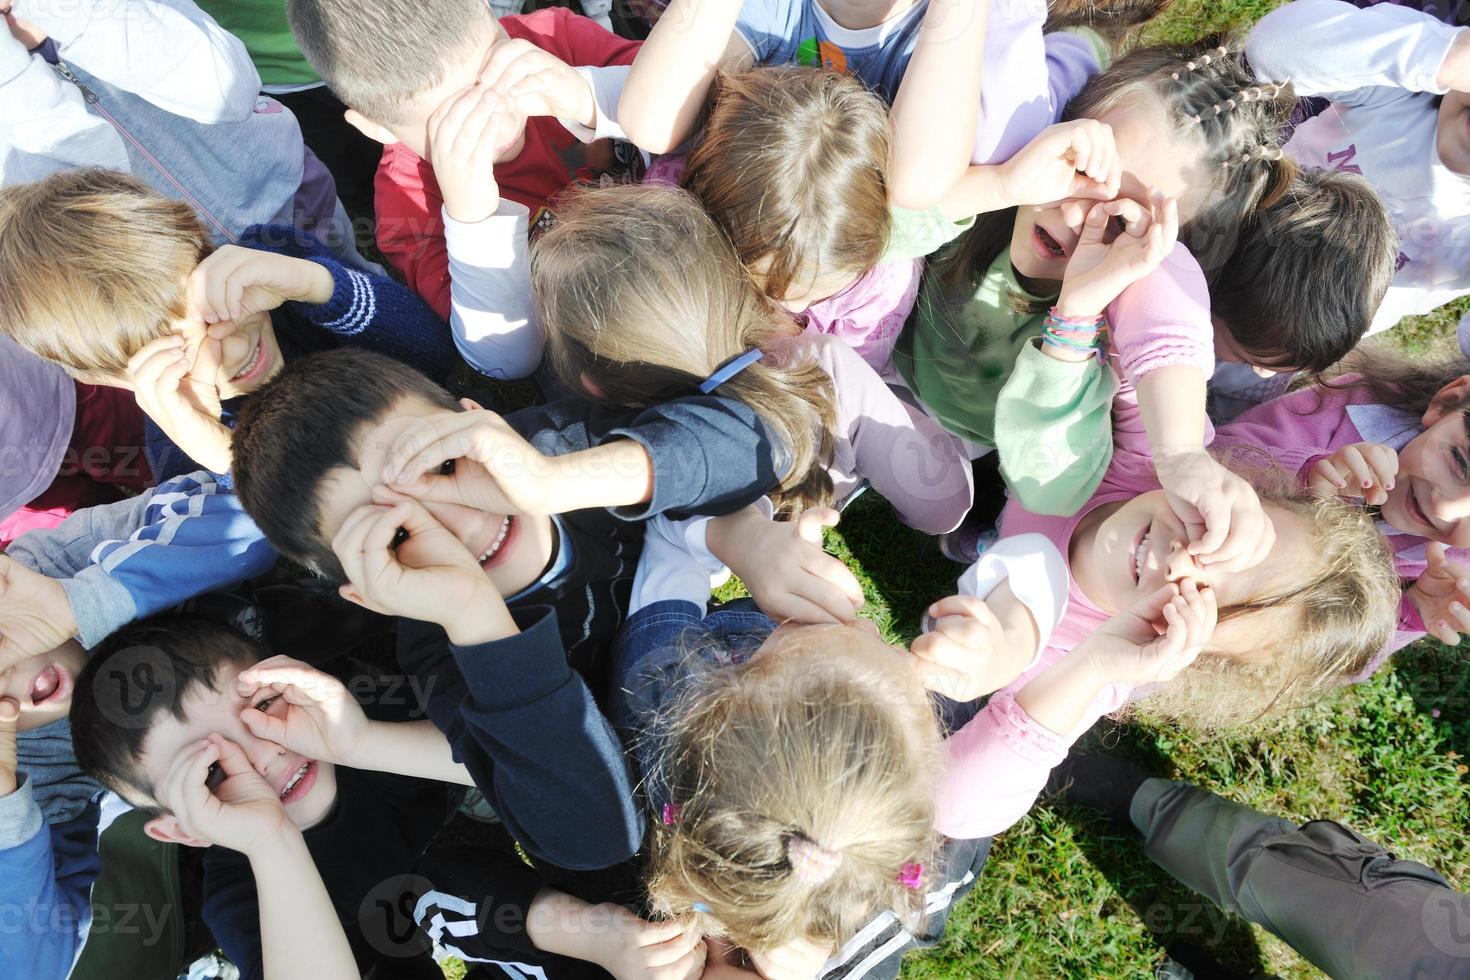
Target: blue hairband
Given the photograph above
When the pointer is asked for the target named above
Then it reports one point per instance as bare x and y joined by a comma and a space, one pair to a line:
729, 369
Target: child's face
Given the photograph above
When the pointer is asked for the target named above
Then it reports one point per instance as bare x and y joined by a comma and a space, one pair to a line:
802, 295
1431, 495
514, 549
1227, 351
246, 357
1151, 155
42, 686
1140, 547
307, 787
1452, 135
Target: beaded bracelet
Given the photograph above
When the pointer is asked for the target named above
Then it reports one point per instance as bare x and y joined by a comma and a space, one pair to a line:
1072, 333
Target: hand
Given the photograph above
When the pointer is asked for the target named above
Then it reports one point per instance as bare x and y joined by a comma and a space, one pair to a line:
182, 397
1134, 647
636, 949
1107, 261
538, 83
1228, 528
400, 561
1363, 469
784, 566
512, 477
800, 959
965, 655
320, 718
1070, 159
9, 719
723, 961
35, 614
235, 282
1441, 594
218, 798
28, 34
465, 133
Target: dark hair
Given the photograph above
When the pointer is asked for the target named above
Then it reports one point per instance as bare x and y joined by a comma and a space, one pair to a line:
377, 54
1209, 92
305, 423
139, 674
1308, 272
1409, 385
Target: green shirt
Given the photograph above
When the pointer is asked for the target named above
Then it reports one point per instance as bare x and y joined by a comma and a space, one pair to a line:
958, 351
261, 25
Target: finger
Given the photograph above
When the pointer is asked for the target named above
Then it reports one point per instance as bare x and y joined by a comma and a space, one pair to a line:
1434, 555
829, 598
1328, 472
674, 948
1094, 226
655, 932
505, 54
232, 758
426, 444
1150, 607
1217, 529
478, 124
148, 363
969, 606
951, 683
1442, 631
269, 728
838, 575
794, 608
1385, 464
948, 651
1136, 218
1084, 186
1357, 467
9, 714
811, 522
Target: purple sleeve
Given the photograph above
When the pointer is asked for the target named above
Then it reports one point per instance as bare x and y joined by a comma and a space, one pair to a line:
1294, 430
1163, 320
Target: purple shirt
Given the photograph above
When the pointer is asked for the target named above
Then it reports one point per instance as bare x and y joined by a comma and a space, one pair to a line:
38, 405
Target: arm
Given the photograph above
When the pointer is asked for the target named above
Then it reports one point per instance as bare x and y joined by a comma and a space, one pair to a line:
1354, 49
935, 112
626, 946
137, 557
300, 934
1054, 430
671, 77
167, 51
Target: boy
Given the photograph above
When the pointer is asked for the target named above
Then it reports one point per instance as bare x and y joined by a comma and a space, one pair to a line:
395, 62
194, 327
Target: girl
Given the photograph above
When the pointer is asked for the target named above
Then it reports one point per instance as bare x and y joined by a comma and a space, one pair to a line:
1394, 435
1309, 615
643, 300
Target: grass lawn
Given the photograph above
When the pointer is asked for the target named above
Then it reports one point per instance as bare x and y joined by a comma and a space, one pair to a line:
1065, 896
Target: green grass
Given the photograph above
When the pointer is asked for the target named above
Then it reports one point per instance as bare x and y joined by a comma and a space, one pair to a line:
1064, 896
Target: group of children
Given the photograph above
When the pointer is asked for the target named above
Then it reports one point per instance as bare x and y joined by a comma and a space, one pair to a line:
273, 590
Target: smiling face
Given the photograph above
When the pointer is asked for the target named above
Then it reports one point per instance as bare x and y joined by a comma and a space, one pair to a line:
307, 787
42, 686
513, 549
1431, 495
1150, 153
247, 357
1452, 135
1121, 554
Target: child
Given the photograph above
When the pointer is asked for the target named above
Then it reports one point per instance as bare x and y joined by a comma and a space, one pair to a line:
681, 308
193, 327
395, 63
83, 86
1398, 79
1319, 259
1394, 435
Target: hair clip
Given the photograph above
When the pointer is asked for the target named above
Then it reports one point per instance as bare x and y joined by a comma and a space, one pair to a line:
729, 369
671, 813
812, 863
699, 907
911, 875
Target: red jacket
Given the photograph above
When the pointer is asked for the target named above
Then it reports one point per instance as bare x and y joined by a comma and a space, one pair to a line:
408, 202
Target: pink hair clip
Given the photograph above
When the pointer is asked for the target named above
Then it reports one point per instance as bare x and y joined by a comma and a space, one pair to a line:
671, 813
911, 875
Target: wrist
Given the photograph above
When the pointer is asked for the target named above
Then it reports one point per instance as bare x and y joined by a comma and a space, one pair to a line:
1073, 307
554, 924
615, 474
1454, 71
486, 620
278, 847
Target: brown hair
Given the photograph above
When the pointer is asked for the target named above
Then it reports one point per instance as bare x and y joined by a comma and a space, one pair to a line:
806, 743
1344, 609
375, 55
792, 167
1111, 18
641, 295
93, 266
1410, 385
1209, 95
1308, 272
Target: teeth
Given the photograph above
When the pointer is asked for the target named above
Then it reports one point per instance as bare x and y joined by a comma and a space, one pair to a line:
1141, 557
294, 780
499, 540
259, 350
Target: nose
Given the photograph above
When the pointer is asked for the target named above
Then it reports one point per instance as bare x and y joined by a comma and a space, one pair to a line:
463, 522
1180, 564
264, 756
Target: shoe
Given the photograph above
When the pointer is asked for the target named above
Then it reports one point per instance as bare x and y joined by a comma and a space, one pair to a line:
966, 544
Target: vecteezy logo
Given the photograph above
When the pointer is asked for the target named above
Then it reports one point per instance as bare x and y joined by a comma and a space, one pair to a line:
1446, 921
132, 683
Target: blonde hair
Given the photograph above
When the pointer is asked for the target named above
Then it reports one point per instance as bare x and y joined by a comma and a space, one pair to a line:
1344, 610
802, 747
793, 166
93, 266
641, 295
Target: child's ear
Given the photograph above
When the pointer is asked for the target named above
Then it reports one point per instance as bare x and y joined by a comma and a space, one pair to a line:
1452, 394
368, 128
166, 828
592, 387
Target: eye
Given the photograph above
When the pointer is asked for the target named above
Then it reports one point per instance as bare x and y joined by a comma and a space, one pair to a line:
1116, 225
214, 777
446, 468
265, 705
1462, 466
399, 536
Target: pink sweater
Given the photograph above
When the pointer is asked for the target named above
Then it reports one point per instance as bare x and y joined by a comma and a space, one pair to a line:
1300, 428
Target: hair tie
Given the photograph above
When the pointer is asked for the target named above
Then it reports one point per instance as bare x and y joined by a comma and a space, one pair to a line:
911, 876
811, 862
671, 814
729, 369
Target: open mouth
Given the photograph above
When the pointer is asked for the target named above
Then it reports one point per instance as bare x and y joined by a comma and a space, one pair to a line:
51, 685
1140, 555
300, 783
1046, 246
497, 550
255, 370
